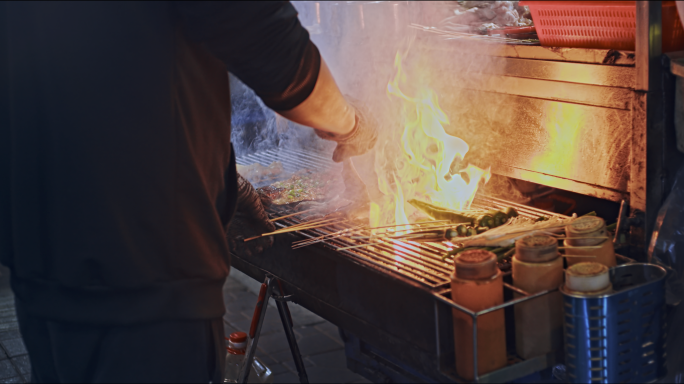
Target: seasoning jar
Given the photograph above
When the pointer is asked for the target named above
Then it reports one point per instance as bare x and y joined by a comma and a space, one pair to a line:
235, 359
537, 266
477, 284
235, 356
588, 279
587, 236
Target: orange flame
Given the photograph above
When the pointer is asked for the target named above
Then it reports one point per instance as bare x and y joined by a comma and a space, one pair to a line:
558, 156
424, 168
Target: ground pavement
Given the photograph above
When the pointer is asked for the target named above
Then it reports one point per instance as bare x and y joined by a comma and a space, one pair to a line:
319, 341
14, 362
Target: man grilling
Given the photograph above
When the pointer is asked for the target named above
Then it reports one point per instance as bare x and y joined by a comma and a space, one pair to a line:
117, 177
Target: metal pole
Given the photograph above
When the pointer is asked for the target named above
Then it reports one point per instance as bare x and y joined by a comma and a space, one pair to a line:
286, 319
647, 175
255, 328
476, 377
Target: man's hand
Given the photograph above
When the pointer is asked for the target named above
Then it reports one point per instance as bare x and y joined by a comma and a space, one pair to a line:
360, 140
249, 220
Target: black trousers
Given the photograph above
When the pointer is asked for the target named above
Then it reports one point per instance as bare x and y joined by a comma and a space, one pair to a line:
169, 351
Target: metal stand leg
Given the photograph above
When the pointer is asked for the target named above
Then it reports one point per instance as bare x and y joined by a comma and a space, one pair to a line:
286, 318
257, 321
255, 328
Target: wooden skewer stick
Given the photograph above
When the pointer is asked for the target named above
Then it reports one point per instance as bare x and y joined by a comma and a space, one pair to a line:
308, 223
406, 236
401, 225
582, 247
360, 245
340, 232
392, 237
322, 238
290, 229
292, 214
316, 224
281, 231
577, 256
580, 238
306, 242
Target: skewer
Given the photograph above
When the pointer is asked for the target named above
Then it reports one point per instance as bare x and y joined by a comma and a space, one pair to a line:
582, 247
427, 226
354, 229
283, 231
529, 230
315, 240
308, 223
421, 232
302, 244
516, 289
316, 224
292, 214
359, 246
576, 256
407, 232
293, 229
401, 225
407, 236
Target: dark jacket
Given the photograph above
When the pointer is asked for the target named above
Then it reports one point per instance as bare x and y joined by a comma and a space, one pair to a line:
116, 170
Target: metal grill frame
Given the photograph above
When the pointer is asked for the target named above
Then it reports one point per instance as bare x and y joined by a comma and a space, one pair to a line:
430, 300
421, 262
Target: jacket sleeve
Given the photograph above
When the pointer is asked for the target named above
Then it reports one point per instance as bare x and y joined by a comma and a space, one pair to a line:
260, 42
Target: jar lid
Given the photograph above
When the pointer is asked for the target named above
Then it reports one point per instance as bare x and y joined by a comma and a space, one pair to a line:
238, 337
476, 264
591, 227
536, 248
587, 277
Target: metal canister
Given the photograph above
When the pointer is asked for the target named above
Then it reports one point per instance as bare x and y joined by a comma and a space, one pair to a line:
617, 335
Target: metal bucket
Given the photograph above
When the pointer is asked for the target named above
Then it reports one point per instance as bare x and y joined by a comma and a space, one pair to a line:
618, 337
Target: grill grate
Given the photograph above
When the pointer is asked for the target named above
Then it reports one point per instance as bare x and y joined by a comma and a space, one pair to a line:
420, 262
292, 160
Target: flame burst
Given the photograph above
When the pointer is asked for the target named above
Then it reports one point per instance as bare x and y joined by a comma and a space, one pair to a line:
429, 160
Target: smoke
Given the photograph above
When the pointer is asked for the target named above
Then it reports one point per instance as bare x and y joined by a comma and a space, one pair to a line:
359, 41
255, 127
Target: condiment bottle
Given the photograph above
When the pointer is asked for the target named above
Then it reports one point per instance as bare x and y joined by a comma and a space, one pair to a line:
588, 279
537, 266
235, 359
235, 356
477, 284
591, 232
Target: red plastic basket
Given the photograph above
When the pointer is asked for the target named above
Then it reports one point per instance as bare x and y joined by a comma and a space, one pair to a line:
599, 24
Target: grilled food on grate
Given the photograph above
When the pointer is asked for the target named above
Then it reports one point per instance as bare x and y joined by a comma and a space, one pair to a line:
304, 185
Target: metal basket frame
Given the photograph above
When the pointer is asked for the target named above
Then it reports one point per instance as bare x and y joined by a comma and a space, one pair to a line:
519, 369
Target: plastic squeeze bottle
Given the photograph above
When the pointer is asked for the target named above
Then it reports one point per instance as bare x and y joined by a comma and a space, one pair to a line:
588, 237
477, 284
537, 266
235, 358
